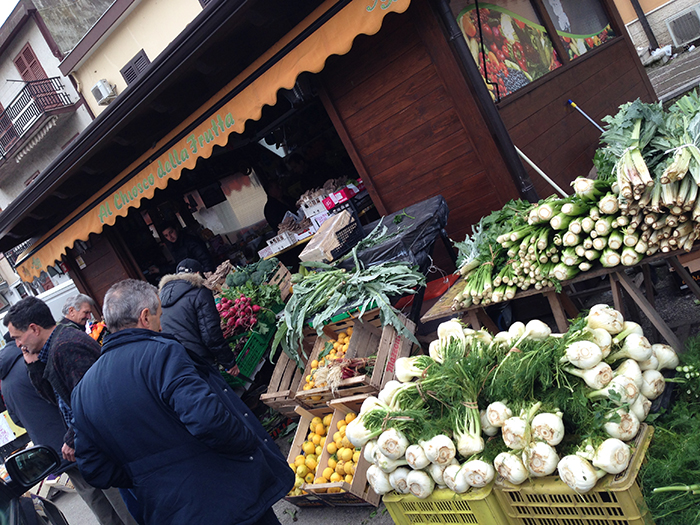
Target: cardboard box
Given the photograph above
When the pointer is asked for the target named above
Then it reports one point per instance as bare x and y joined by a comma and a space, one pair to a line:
281, 241
366, 340
342, 494
313, 206
265, 252
318, 219
341, 196
691, 261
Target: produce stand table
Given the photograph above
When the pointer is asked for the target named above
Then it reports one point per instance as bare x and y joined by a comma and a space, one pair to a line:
561, 304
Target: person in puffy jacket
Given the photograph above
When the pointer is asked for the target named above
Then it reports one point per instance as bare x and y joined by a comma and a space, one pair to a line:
190, 315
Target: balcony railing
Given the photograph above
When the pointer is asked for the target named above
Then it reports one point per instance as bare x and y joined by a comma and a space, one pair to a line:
35, 99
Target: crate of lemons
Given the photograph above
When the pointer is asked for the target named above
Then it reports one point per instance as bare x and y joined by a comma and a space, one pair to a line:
342, 460
333, 349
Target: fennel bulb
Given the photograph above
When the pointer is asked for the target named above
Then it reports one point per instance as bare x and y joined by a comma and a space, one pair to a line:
386, 464
583, 354
420, 484
635, 346
630, 368
497, 413
454, 478
416, 458
653, 384
478, 473
378, 480
597, 377
621, 390
578, 473
397, 480
641, 407
602, 316
510, 467
602, 338
667, 357
436, 471
513, 433
369, 450
439, 449
540, 459
612, 455
548, 427
625, 429
392, 443
486, 426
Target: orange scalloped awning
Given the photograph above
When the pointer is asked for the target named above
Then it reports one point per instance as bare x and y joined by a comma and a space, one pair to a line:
334, 37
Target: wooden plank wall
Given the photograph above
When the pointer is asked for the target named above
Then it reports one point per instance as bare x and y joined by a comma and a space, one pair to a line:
553, 134
411, 125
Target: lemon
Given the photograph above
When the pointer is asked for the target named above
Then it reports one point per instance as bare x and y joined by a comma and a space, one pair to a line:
310, 463
345, 442
328, 472
312, 456
350, 416
316, 439
315, 398
345, 347
319, 450
356, 456
299, 460
348, 479
327, 420
320, 481
303, 470
323, 441
308, 447
320, 429
332, 448
309, 478
337, 436
332, 462
335, 477
315, 421
345, 454
293, 467
340, 468
341, 424
334, 490
314, 364
298, 482
349, 468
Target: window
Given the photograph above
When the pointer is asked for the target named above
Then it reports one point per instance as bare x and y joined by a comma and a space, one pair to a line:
510, 42
135, 67
581, 24
28, 65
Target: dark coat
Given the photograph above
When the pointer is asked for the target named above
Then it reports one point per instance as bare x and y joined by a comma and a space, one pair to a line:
42, 420
190, 314
188, 246
147, 416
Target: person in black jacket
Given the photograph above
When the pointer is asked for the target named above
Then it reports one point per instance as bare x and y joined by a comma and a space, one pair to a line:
190, 314
183, 245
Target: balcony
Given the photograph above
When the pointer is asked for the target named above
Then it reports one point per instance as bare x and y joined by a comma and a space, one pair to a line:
32, 111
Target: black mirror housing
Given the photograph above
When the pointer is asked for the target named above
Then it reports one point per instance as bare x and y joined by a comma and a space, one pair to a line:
27, 467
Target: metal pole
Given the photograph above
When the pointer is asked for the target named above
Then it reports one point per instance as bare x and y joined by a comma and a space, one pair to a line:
573, 105
541, 173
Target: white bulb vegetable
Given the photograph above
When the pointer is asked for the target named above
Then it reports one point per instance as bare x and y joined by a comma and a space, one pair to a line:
650, 364
416, 458
513, 433
510, 467
602, 338
667, 357
387, 465
609, 319
583, 354
486, 426
439, 449
540, 459
387, 393
420, 483
478, 473
392, 443
578, 473
378, 480
641, 407
653, 384
612, 456
548, 427
397, 479
630, 368
625, 429
621, 390
497, 413
597, 377
635, 347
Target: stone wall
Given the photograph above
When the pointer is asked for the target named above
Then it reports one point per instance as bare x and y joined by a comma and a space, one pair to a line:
69, 20
657, 21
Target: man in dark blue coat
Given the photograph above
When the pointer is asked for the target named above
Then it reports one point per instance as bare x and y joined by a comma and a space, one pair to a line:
150, 419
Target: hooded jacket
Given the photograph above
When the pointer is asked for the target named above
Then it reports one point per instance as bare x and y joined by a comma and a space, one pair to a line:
150, 417
190, 314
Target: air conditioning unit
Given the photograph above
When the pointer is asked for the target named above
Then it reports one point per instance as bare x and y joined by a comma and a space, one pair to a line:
684, 26
104, 92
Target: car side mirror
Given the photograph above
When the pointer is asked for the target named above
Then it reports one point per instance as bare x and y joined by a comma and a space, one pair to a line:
31, 465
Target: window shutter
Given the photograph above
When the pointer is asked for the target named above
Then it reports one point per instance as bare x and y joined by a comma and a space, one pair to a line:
135, 67
28, 65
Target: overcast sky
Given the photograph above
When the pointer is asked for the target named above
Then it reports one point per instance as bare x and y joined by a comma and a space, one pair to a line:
6, 7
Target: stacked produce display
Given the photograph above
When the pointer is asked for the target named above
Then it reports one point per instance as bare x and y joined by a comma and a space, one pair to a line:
523, 404
643, 202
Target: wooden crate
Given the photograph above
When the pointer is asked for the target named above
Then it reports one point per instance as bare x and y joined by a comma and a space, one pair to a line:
282, 278
342, 494
286, 379
366, 340
309, 499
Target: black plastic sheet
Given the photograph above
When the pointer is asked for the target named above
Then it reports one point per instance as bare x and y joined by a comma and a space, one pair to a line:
412, 235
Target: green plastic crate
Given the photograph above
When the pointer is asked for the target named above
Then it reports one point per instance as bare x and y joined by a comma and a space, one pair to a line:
252, 352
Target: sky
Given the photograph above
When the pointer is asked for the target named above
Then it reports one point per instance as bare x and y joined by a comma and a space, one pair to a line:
6, 7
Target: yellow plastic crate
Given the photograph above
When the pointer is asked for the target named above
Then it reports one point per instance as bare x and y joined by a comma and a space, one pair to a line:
444, 506
616, 500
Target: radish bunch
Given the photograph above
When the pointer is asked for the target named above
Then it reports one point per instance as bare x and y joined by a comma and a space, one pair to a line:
237, 316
